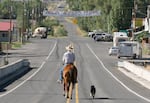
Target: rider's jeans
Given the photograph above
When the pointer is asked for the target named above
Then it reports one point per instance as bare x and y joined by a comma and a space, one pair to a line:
61, 72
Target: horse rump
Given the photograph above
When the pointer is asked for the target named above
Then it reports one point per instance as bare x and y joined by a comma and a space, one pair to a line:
73, 74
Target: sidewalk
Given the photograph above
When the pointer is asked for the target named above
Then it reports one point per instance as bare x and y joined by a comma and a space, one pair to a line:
18, 53
136, 78
138, 73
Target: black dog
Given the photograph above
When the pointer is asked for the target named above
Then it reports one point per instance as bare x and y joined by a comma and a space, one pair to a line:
93, 91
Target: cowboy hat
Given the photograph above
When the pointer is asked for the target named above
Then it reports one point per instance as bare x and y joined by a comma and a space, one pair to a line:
69, 47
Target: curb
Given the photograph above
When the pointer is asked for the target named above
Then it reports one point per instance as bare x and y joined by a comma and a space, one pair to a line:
137, 73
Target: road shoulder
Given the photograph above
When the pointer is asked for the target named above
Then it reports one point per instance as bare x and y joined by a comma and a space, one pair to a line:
134, 77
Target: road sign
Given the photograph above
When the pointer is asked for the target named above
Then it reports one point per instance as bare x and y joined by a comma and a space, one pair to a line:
71, 13
74, 20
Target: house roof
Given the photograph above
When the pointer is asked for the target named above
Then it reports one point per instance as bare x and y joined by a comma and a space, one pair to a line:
5, 26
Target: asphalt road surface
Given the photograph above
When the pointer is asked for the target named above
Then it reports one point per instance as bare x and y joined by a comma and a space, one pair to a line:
95, 67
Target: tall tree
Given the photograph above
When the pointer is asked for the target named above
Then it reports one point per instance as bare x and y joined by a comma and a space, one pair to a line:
121, 14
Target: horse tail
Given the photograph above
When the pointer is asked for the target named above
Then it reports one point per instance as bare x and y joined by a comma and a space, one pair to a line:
73, 74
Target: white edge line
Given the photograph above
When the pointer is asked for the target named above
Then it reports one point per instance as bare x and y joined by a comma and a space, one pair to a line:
51, 51
31, 75
130, 90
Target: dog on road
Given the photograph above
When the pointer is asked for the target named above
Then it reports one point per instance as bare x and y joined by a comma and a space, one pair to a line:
92, 91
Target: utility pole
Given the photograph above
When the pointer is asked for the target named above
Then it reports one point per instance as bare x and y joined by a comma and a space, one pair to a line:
10, 22
134, 18
23, 22
148, 17
27, 14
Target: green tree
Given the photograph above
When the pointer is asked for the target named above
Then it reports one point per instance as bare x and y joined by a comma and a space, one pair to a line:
115, 14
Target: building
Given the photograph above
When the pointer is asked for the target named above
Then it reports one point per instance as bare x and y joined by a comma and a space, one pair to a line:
6, 29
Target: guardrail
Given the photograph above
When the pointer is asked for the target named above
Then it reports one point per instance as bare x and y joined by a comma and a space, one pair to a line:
136, 69
11, 71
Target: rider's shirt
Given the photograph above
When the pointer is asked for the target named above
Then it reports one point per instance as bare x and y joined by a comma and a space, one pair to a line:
68, 57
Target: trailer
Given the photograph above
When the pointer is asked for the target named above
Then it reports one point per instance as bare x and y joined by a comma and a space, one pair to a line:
131, 49
119, 37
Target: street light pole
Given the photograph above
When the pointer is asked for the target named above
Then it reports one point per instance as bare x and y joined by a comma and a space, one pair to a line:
22, 34
10, 34
10, 22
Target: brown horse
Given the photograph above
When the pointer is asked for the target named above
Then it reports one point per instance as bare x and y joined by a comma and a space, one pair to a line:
69, 76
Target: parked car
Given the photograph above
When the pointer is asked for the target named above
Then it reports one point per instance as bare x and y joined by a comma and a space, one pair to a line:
113, 51
98, 37
107, 37
90, 33
103, 37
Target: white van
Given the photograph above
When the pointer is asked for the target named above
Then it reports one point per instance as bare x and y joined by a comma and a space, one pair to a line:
119, 37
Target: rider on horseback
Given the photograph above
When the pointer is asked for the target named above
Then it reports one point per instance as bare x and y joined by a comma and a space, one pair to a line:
68, 58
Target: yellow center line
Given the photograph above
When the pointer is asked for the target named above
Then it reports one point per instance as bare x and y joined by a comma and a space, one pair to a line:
77, 94
68, 100
70, 91
76, 87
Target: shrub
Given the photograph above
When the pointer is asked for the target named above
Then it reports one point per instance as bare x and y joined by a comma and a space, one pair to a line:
61, 31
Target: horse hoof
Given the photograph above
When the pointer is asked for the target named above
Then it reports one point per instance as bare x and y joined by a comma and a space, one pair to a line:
66, 96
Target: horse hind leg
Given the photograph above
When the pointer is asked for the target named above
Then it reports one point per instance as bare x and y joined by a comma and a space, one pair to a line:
71, 90
66, 92
66, 95
64, 89
68, 85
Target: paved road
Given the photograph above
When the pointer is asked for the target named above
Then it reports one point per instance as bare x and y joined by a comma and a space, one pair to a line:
94, 66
